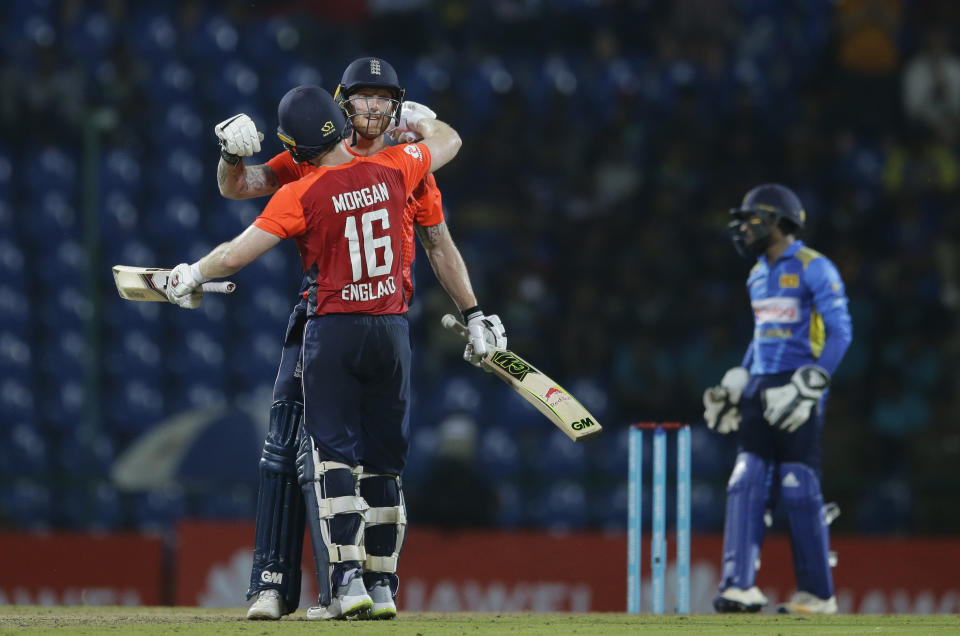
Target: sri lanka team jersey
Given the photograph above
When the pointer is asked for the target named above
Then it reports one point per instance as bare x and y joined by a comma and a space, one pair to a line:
800, 313
348, 222
424, 206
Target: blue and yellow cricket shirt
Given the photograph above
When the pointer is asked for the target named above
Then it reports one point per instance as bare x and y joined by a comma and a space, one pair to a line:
800, 313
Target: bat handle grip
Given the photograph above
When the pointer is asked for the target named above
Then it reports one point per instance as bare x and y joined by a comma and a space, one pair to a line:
219, 287
451, 323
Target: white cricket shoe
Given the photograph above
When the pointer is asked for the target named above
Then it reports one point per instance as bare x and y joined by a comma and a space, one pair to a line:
807, 603
383, 606
351, 600
733, 599
267, 606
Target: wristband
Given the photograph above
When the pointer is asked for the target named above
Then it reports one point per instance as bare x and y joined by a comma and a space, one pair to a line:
229, 157
470, 313
197, 276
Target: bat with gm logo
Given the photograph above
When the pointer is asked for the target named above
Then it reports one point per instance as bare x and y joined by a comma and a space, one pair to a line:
547, 396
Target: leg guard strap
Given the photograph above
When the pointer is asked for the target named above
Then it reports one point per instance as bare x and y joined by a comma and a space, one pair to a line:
386, 522
334, 514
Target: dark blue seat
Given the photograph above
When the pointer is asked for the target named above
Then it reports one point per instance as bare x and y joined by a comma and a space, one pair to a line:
559, 457
285, 78
119, 222
133, 406
120, 314
153, 33
51, 168
54, 216
25, 451
224, 218
564, 506
15, 318
255, 362
89, 37
65, 265
499, 454
121, 170
12, 266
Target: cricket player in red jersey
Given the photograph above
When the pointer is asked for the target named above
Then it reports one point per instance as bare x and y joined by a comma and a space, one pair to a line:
346, 218
371, 93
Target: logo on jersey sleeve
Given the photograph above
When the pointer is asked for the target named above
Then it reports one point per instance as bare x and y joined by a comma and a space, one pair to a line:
414, 151
777, 309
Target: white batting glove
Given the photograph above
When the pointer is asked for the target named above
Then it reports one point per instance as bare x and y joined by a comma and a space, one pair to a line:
484, 332
238, 137
410, 115
721, 403
183, 286
787, 407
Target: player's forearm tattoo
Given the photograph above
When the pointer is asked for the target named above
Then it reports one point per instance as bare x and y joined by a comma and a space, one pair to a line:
246, 181
260, 178
432, 234
221, 174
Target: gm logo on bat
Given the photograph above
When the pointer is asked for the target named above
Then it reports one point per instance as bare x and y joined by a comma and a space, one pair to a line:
582, 424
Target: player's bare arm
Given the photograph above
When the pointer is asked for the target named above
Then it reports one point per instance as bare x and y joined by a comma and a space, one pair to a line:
230, 257
246, 182
443, 141
447, 263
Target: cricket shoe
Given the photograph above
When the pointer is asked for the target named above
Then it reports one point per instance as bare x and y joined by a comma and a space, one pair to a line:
268, 606
733, 599
807, 603
351, 601
383, 606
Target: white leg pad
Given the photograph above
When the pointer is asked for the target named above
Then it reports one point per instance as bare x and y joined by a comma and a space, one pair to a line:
395, 515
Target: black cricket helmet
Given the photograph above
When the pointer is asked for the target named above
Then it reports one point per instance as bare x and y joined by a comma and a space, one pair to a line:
763, 208
311, 122
370, 72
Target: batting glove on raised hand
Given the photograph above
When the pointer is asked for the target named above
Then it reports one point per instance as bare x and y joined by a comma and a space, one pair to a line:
183, 286
721, 403
238, 138
787, 407
410, 115
483, 331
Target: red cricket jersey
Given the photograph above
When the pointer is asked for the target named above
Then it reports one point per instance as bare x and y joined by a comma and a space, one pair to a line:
348, 222
424, 206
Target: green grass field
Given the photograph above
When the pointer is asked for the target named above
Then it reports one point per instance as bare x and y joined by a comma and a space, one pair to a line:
189, 621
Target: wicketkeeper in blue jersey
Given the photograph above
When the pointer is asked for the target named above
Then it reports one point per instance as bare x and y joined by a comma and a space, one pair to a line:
775, 403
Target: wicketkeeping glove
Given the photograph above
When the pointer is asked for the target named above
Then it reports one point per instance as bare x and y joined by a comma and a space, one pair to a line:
183, 286
238, 138
721, 409
483, 331
787, 407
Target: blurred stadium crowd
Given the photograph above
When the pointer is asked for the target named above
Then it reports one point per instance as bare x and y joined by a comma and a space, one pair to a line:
604, 142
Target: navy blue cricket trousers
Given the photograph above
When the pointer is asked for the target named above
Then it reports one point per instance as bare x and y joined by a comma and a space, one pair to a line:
356, 389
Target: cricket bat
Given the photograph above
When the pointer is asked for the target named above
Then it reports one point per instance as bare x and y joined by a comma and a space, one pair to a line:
148, 284
535, 387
